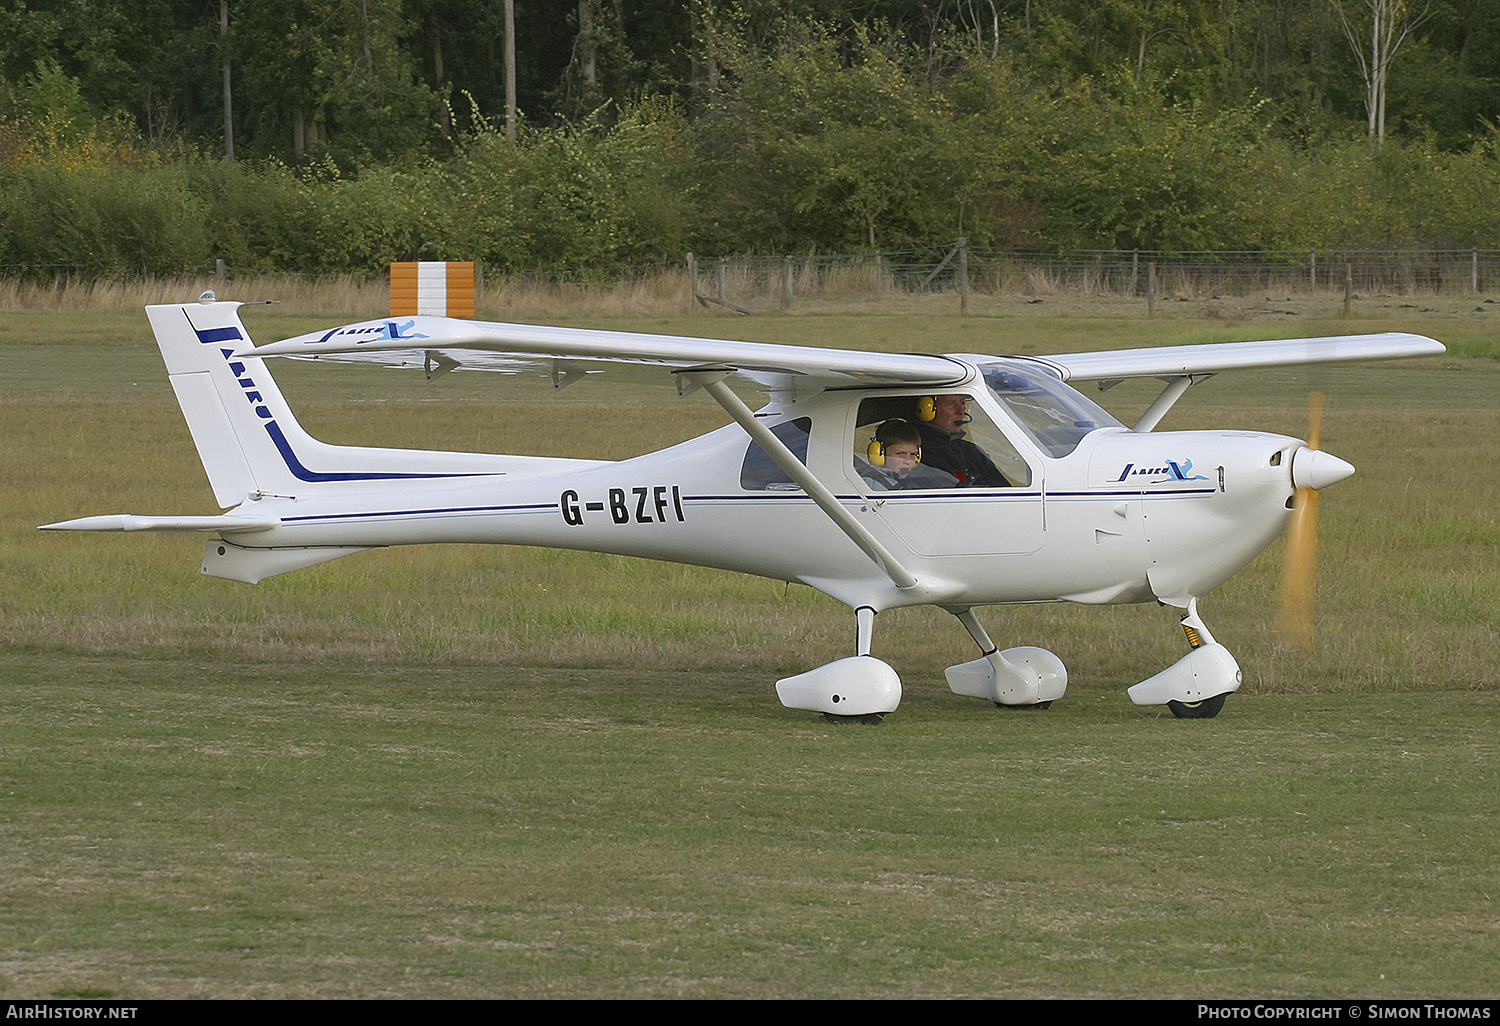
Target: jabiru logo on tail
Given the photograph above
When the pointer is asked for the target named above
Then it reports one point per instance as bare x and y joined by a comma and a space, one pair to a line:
234, 337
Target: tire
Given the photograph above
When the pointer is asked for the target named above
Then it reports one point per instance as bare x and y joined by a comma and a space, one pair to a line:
1204, 710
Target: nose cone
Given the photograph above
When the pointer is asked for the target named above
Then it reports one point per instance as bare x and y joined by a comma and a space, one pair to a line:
1314, 468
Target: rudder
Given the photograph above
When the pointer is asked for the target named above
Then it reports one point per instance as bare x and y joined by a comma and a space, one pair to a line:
225, 400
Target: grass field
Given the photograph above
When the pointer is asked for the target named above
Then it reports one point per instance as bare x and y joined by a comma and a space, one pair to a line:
494, 772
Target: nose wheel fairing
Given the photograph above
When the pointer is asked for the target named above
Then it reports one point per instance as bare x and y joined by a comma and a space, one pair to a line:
1193, 687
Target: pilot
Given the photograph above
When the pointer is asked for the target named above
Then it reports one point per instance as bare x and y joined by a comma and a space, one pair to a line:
895, 460
944, 446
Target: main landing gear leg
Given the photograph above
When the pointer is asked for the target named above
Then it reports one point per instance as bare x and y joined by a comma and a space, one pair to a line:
859, 689
1017, 678
1195, 686
864, 629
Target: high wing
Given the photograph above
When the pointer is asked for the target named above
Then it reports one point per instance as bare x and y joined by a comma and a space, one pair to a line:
392, 340
1210, 358
780, 366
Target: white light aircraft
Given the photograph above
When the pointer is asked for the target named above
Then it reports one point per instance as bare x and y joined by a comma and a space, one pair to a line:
1042, 496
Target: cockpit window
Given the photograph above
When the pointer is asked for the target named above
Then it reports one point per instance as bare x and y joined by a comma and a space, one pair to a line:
1057, 416
760, 473
969, 452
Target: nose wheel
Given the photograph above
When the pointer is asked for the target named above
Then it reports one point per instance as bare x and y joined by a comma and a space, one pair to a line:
1194, 687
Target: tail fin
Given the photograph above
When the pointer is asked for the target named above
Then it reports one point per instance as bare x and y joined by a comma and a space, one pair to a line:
246, 435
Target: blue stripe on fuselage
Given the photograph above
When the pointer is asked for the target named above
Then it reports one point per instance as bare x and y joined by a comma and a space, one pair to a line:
301, 473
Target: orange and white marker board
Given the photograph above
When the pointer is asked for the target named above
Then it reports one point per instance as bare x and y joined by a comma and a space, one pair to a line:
433, 287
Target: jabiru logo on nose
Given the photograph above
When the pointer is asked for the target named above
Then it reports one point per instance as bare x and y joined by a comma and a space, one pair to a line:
1171, 471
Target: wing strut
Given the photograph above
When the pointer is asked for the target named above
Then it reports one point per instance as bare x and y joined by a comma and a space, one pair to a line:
712, 381
1164, 402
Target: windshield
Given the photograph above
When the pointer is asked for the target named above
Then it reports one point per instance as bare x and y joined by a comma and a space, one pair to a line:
1056, 415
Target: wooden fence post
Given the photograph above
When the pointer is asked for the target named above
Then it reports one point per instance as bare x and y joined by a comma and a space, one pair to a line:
963, 277
786, 282
692, 274
1151, 288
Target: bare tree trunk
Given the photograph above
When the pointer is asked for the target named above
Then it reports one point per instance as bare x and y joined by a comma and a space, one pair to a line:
588, 47
364, 25
228, 98
510, 70
436, 36
705, 66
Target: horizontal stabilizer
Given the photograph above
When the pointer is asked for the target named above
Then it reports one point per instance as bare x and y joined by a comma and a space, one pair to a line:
127, 522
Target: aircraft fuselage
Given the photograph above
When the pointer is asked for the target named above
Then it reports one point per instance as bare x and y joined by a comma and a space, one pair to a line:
1124, 517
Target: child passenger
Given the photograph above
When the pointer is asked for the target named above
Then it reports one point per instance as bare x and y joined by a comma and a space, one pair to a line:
898, 445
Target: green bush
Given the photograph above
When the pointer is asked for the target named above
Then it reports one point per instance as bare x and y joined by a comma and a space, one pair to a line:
816, 140
260, 216
102, 220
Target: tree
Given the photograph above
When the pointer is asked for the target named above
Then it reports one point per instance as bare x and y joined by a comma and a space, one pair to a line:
1389, 27
816, 139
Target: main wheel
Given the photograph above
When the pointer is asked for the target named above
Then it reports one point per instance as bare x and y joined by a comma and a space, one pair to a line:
869, 718
1033, 705
1204, 710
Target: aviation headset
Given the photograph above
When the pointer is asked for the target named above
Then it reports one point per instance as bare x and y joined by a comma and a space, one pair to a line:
927, 409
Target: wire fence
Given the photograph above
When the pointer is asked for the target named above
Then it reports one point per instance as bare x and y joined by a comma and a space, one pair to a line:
757, 282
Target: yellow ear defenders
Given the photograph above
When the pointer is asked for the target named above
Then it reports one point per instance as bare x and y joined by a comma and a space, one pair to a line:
927, 409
